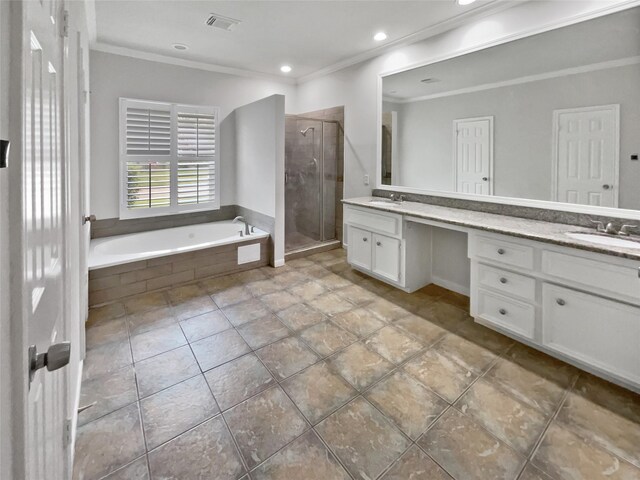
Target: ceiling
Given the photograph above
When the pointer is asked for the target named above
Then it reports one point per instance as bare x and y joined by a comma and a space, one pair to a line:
611, 37
308, 35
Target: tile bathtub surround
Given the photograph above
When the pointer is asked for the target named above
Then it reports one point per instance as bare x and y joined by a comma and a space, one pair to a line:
402, 386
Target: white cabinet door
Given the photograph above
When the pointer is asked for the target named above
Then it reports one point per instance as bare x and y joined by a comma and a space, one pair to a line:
386, 257
596, 331
359, 252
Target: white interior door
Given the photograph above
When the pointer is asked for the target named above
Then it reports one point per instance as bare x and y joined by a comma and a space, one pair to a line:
586, 155
43, 234
473, 155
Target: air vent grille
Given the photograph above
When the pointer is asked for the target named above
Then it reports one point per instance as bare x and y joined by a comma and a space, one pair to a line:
219, 21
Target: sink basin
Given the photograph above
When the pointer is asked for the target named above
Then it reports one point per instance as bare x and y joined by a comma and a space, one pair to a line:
386, 203
604, 240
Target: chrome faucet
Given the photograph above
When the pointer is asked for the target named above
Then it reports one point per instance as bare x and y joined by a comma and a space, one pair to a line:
397, 198
612, 229
624, 229
246, 225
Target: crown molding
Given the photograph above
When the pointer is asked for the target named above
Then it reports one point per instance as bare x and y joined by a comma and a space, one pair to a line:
209, 67
488, 9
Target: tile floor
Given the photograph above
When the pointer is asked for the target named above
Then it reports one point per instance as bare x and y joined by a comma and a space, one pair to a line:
314, 371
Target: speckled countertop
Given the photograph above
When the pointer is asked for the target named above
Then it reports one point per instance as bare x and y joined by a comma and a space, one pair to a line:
517, 227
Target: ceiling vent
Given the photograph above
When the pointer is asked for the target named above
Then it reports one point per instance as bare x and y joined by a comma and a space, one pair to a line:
219, 21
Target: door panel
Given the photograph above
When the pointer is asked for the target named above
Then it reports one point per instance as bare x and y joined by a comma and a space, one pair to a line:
386, 257
359, 251
473, 155
586, 156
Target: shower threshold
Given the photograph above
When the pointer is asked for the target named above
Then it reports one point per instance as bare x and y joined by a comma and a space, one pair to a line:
312, 249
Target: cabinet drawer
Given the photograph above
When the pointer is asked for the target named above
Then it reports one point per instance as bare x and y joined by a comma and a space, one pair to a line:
508, 283
386, 257
599, 332
503, 251
509, 314
388, 223
359, 251
619, 280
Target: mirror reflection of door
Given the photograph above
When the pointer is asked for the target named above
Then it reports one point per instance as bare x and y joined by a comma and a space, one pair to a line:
473, 155
389, 146
586, 155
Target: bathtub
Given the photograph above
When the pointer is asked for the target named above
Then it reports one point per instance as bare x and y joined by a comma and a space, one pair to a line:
134, 247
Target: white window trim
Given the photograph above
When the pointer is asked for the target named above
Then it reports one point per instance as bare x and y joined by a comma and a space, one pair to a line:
172, 159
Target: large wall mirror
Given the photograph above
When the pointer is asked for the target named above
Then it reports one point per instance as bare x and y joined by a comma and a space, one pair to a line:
553, 116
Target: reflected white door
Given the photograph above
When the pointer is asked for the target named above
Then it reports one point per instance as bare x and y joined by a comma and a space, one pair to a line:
43, 235
585, 156
473, 155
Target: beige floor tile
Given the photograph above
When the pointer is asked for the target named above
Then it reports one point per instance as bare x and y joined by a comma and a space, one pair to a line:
393, 345
184, 293
217, 284
441, 374
515, 423
176, 409
219, 348
445, 315
469, 355
467, 451
106, 312
605, 414
532, 473
315, 271
325, 338
106, 358
263, 331
245, 311
145, 321
136, 470
207, 451
231, 296
533, 377
360, 321
146, 301
154, 342
386, 310
364, 440
193, 307
238, 380
205, 325
120, 441
264, 424
331, 304
317, 391
249, 276
305, 458
407, 402
107, 331
299, 263
109, 392
289, 279
300, 316
263, 287
286, 357
360, 366
308, 290
423, 330
280, 300
485, 337
164, 370
564, 456
334, 282
415, 465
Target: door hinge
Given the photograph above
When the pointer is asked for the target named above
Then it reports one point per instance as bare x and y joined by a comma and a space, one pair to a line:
68, 423
64, 24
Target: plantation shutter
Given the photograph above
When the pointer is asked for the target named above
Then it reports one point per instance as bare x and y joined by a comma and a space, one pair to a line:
197, 153
148, 131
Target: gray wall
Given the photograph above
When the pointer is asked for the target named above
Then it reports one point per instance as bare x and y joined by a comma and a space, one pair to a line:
523, 125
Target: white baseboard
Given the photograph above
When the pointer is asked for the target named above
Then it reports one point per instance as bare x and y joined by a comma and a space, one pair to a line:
453, 286
278, 263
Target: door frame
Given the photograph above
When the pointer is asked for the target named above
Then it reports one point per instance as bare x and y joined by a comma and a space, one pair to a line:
555, 150
456, 122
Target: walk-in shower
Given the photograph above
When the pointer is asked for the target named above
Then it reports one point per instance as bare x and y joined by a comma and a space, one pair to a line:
313, 171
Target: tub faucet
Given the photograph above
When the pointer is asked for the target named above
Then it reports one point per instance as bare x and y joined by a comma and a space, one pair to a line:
246, 225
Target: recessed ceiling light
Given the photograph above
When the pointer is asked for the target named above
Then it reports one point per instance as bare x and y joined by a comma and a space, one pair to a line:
180, 46
465, 2
380, 36
285, 68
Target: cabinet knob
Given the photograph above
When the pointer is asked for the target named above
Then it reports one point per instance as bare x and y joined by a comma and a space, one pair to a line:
560, 301
364, 239
502, 311
379, 244
503, 280
501, 251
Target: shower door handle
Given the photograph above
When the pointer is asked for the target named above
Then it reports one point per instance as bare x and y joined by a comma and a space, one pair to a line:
286, 178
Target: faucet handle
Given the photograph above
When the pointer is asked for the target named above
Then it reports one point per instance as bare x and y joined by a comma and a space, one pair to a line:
599, 225
624, 229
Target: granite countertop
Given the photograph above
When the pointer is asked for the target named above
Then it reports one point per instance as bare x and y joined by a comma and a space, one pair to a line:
554, 233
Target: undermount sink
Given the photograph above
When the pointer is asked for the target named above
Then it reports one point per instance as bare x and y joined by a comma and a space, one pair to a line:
384, 202
604, 240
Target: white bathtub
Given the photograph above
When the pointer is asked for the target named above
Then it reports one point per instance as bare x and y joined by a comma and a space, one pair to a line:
120, 249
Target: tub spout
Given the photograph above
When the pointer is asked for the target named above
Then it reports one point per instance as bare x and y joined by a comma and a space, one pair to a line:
246, 225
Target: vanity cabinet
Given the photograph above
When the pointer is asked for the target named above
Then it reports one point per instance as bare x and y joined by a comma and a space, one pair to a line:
579, 306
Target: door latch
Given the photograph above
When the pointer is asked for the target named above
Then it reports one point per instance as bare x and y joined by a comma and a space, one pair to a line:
4, 153
57, 356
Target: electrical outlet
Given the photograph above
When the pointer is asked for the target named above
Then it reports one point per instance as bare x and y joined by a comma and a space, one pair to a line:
366, 179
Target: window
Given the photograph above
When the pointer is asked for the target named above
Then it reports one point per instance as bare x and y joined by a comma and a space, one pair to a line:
168, 158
